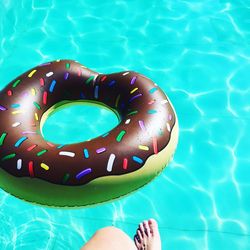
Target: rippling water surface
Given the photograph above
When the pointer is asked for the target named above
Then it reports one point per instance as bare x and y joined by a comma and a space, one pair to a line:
198, 53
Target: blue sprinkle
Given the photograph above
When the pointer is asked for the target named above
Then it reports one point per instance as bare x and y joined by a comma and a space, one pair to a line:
84, 172
60, 146
112, 83
52, 86
137, 159
86, 153
20, 141
105, 134
152, 111
151, 91
96, 91
15, 105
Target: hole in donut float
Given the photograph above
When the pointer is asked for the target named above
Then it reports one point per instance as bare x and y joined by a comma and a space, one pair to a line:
77, 121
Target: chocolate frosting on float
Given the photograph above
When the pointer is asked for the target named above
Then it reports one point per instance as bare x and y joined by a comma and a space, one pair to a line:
147, 119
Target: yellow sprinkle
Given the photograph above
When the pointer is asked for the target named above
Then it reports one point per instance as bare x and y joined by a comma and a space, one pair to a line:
44, 166
132, 91
17, 112
32, 73
36, 116
142, 147
117, 100
33, 91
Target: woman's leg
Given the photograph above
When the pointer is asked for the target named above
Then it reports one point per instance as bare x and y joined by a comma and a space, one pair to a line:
110, 238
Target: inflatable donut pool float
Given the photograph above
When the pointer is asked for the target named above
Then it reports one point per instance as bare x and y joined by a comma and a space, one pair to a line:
104, 168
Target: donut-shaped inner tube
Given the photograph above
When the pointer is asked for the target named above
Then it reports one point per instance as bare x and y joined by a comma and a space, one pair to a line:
103, 168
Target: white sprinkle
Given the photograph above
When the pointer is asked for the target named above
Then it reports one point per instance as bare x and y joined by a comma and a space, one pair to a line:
164, 101
125, 73
127, 121
16, 124
19, 164
49, 74
110, 162
168, 127
67, 153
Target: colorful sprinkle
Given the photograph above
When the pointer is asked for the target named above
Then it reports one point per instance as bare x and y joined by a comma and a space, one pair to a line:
134, 97
61, 146
110, 162
2, 138
142, 125
170, 117
32, 73
50, 144
45, 96
117, 100
143, 147
89, 79
168, 127
164, 101
126, 73
7, 157
151, 91
100, 150
49, 74
17, 112
133, 80
155, 146
66, 75
9, 93
45, 166
104, 135
127, 121
96, 91
37, 105
151, 102
16, 124
125, 163
41, 81
28, 132
2, 108
133, 112
36, 117
33, 91
67, 65
31, 169
86, 153
83, 173
31, 147
151, 111
42, 152
20, 141
65, 178
112, 83
79, 72
120, 136
16, 83
19, 164
15, 105
67, 153
132, 91
137, 159
52, 86
103, 78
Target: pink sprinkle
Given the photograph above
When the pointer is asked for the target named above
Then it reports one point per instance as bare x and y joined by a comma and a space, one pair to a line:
9, 93
50, 144
41, 82
100, 150
79, 72
28, 132
155, 145
142, 125
133, 80
125, 163
170, 117
151, 102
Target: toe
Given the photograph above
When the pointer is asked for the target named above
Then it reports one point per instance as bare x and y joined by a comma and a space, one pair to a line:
137, 243
153, 226
146, 228
142, 230
140, 236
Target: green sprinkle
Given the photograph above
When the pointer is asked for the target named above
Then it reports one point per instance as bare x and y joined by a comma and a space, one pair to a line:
2, 138
65, 178
133, 112
90, 79
37, 105
120, 136
7, 157
67, 65
41, 152
16, 83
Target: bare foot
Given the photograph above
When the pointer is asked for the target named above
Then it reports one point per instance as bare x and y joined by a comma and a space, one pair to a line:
147, 236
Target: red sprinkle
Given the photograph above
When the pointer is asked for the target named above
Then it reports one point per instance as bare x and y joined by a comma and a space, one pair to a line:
45, 95
155, 145
31, 169
103, 78
31, 147
125, 163
9, 93
41, 81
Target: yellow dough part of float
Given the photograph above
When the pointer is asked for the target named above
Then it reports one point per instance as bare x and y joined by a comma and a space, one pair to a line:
105, 168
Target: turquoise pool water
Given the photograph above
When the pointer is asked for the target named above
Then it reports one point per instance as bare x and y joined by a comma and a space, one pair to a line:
198, 53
